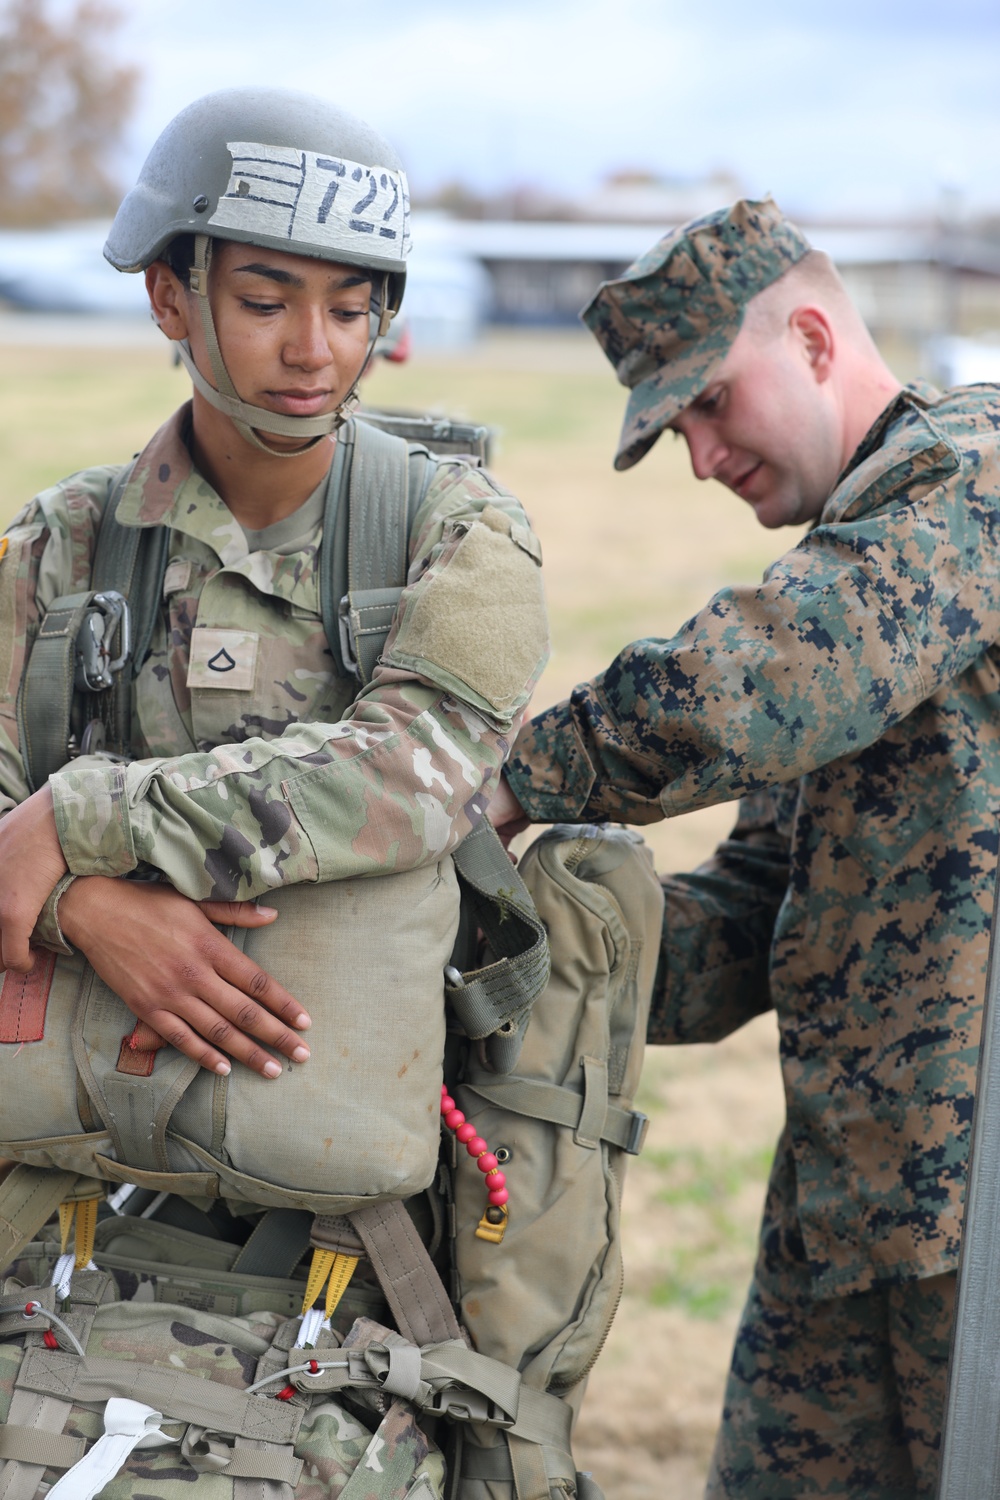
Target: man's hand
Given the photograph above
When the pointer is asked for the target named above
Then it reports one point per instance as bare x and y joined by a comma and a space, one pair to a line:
159, 951
506, 813
31, 865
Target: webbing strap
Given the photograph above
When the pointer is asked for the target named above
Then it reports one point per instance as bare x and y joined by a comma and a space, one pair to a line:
27, 1445
247, 1460
492, 1464
28, 1197
180, 1396
625, 1128
495, 1002
42, 1415
527, 1460
45, 697
378, 543
407, 1275
278, 1243
132, 560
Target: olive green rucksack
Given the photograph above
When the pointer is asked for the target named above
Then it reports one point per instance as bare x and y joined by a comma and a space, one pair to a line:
494, 1321
559, 1121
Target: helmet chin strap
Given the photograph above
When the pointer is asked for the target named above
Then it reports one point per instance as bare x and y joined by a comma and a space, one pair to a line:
248, 419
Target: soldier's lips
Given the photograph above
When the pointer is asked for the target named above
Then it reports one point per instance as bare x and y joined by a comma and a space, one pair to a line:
299, 403
744, 482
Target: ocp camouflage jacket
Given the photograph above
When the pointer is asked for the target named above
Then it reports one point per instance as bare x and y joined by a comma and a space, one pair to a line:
853, 700
281, 770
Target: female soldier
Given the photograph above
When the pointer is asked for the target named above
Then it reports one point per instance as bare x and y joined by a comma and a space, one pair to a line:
272, 229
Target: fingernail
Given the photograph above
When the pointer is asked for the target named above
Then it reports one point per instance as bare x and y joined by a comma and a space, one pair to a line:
267, 911
272, 1070
302, 1022
223, 1068
301, 1054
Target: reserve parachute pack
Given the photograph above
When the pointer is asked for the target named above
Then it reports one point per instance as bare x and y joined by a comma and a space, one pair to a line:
362, 1317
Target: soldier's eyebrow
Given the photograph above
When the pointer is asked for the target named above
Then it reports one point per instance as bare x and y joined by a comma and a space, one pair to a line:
289, 278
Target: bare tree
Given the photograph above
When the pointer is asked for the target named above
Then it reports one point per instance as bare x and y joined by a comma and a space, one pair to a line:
64, 102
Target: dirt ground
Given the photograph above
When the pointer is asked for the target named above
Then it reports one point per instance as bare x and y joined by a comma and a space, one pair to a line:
627, 555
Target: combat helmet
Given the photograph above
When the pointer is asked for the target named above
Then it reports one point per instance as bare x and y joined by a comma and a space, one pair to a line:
276, 168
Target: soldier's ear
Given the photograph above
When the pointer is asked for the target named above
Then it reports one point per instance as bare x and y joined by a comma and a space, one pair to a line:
168, 300
813, 333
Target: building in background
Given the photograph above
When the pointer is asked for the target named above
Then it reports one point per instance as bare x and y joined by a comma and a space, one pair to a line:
928, 288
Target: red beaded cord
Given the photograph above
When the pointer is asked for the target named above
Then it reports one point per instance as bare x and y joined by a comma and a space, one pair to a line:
496, 1182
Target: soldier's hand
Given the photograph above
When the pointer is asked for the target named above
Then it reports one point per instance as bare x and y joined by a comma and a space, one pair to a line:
159, 951
31, 865
506, 813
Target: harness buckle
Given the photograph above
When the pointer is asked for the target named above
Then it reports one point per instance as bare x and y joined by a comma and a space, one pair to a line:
637, 1133
95, 670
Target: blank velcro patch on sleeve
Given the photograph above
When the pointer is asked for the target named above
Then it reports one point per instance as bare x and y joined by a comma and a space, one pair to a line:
481, 620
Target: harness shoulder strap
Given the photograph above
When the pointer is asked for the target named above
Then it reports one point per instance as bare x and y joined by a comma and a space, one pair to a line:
46, 697
360, 592
131, 560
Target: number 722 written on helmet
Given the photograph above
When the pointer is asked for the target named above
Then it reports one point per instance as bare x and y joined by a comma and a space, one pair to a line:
306, 197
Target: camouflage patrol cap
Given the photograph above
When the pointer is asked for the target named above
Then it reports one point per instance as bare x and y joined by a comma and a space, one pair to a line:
669, 322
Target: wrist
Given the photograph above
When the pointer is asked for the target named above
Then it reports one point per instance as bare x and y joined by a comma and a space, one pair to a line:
76, 906
49, 932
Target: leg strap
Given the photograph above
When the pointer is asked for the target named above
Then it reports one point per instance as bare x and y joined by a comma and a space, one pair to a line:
407, 1275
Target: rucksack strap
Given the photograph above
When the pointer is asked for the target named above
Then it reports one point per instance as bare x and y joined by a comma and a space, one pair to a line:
360, 592
494, 1003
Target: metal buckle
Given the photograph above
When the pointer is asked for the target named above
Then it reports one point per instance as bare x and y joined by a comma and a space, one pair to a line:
94, 667
347, 650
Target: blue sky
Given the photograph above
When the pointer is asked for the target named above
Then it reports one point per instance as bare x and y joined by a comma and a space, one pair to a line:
833, 107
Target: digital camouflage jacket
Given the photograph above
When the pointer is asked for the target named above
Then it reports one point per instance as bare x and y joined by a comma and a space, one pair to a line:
853, 701
279, 770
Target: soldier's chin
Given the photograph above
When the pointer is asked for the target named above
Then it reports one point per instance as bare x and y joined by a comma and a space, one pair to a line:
773, 511
282, 444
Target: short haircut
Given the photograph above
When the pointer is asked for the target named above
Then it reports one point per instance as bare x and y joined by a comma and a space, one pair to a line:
814, 278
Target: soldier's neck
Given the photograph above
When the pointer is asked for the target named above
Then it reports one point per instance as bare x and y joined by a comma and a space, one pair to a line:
259, 488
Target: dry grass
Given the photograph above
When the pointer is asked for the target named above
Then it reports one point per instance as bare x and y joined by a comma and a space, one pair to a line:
627, 555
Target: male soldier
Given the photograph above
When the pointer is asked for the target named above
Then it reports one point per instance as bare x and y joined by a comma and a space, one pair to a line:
851, 702
270, 226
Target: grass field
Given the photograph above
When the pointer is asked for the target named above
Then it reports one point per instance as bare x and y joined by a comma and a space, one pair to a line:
627, 555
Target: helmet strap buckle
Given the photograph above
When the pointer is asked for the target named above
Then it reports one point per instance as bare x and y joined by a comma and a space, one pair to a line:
387, 313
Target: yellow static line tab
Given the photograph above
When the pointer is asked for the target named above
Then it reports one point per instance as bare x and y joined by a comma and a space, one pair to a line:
333, 1270
84, 1215
4, 544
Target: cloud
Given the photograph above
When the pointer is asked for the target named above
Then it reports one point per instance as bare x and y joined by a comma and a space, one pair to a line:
859, 105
